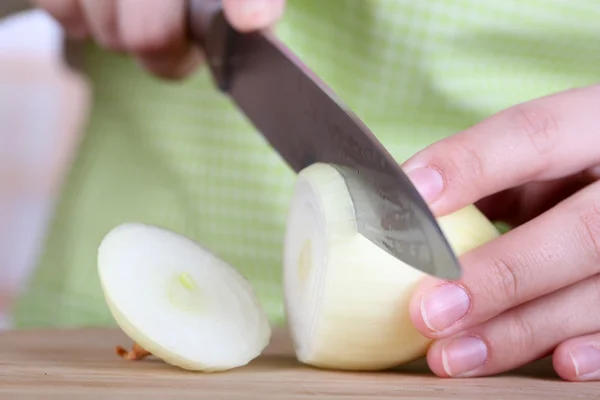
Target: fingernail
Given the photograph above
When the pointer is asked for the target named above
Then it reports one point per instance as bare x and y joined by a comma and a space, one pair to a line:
586, 360
259, 12
444, 305
428, 182
463, 355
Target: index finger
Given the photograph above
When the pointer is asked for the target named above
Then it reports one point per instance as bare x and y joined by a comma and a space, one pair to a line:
557, 249
547, 138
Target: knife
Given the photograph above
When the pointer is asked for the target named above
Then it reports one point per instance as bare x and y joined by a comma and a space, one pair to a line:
305, 122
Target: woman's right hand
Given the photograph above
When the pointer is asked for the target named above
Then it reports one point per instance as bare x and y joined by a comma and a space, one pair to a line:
153, 31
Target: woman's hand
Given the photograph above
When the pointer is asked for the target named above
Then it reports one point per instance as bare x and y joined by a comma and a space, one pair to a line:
154, 31
535, 290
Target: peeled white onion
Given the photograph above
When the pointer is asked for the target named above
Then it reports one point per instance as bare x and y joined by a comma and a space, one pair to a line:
346, 299
178, 301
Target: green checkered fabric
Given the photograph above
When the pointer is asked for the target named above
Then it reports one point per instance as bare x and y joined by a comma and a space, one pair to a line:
181, 156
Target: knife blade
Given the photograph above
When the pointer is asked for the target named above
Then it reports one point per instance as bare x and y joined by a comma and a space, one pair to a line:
305, 122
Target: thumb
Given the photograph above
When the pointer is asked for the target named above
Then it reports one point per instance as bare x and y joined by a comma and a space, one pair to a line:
250, 15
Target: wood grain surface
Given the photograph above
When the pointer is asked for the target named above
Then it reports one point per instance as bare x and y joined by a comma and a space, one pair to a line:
82, 364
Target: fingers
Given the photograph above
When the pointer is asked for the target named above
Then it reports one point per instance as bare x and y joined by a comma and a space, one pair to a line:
559, 248
521, 335
578, 359
69, 14
529, 142
249, 15
102, 20
155, 32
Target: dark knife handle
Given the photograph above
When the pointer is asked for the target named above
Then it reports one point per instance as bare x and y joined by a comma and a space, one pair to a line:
208, 27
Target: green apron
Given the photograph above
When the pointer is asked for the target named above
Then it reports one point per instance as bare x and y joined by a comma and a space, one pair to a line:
179, 155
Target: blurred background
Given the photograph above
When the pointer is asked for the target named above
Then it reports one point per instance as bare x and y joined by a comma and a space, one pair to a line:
42, 106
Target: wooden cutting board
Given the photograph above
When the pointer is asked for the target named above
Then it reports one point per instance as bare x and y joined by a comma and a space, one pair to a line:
82, 364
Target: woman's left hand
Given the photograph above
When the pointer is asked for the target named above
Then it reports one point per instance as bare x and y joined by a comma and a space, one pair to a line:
535, 290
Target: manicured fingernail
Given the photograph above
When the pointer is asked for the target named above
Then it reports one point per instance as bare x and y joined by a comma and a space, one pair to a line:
586, 360
463, 355
428, 182
444, 305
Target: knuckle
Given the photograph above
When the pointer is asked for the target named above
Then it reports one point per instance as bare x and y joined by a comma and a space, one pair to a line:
466, 163
539, 125
473, 161
505, 279
521, 331
590, 225
595, 282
